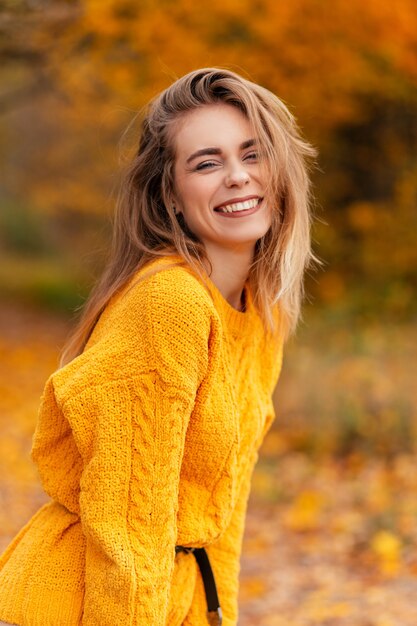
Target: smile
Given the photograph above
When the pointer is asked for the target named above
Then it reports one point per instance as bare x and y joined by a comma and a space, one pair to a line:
243, 206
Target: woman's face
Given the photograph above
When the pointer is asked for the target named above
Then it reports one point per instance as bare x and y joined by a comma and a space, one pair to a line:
219, 181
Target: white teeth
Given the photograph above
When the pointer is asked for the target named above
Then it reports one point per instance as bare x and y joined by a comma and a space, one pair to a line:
240, 206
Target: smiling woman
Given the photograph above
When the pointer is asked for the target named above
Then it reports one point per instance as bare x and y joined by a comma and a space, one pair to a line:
220, 190
148, 434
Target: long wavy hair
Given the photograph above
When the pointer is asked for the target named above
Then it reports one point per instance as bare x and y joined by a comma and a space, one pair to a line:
145, 225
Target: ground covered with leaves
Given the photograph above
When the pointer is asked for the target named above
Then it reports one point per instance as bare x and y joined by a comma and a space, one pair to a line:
332, 522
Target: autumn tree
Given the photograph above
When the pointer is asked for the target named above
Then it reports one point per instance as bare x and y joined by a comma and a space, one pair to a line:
348, 70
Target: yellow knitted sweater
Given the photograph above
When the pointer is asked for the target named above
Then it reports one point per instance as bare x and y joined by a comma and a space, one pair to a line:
146, 440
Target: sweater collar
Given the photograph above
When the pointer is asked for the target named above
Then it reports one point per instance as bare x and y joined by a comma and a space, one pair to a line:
236, 321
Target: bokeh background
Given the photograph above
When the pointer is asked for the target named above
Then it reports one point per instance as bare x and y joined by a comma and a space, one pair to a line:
332, 522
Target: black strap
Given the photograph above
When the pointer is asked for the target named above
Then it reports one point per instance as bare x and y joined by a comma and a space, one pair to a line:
214, 612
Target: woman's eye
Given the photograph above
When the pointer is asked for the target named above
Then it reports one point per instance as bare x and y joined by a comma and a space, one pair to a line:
252, 156
206, 165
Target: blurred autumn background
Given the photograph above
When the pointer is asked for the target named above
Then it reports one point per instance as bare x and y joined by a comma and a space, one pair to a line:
332, 523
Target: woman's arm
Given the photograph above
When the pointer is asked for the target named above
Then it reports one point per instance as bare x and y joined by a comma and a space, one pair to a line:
131, 433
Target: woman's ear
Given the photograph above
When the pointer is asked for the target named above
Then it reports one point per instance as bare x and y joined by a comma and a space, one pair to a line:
174, 205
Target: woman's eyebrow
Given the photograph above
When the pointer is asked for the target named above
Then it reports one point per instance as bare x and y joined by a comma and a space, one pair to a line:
248, 144
202, 152
215, 151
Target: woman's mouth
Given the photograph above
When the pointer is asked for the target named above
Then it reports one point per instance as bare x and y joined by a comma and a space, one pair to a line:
240, 208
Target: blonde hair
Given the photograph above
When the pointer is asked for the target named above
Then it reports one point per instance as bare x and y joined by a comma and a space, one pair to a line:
146, 227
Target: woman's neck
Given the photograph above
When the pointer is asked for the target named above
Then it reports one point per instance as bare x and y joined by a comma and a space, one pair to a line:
230, 269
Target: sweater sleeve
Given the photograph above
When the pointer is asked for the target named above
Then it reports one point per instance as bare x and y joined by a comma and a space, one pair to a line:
225, 553
131, 433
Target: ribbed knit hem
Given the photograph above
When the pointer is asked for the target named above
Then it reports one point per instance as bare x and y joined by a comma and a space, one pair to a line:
47, 608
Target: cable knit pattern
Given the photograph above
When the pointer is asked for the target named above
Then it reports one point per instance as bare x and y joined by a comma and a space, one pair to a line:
146, 440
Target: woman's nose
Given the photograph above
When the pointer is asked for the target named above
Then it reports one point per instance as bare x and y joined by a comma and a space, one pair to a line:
237, 177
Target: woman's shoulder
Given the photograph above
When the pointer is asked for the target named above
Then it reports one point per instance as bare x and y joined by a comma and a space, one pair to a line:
167, 284
157, 314
160, 298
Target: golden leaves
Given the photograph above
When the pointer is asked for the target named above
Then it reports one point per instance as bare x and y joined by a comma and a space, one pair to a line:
28, 351
337, 546
387, 548
304, 513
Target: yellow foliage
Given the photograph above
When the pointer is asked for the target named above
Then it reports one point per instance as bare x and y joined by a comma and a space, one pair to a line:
275, 443
348, 521
320, 607
253, 587
331, 611
264, 483
386, 621
387, 548
305, 512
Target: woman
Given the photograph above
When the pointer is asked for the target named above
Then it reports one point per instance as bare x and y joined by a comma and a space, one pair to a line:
148, 434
